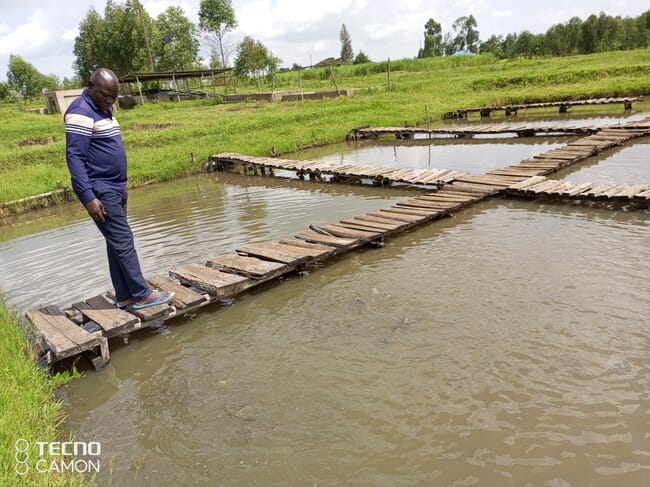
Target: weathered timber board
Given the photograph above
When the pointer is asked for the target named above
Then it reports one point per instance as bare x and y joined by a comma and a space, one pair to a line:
153, 313
112, 320
478, 189
576, 190
416, 212
327, 250
443, 202
319, 238
383, 219
443, 196
284, 256
185, 297
423, 204
342, 232
528, 182
399, 216
250, 267
147, 314
215, 282
64, 337
372, 225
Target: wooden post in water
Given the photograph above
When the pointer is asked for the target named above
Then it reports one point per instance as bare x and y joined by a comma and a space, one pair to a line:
426, 107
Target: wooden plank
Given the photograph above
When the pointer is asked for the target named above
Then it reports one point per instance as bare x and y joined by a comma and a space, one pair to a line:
111, 319
478, 189
339, 231
528, 183
184, 298
384, 219
416, 212
153, 313
310, 236
64, 337
444, 202
399, 216
597, 191
632, 190
446, 197
423, 204
313, 246
615, 190
286, 254
250, 267
215, 282
370, 224
577, 189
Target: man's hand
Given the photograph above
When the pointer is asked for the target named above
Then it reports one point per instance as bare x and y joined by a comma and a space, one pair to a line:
96, 210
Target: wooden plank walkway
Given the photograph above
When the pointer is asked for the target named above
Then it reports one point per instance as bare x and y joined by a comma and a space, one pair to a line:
86, 327
563, 106
380, 175
519, 129
541, 187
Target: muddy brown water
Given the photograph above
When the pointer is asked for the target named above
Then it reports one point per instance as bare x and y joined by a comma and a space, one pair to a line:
508, 345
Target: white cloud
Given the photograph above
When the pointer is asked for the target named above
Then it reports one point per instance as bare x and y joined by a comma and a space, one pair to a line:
502, 13
26, 38
70, 34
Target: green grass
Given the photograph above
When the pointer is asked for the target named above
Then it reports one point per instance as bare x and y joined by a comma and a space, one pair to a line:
161, 136
27, 405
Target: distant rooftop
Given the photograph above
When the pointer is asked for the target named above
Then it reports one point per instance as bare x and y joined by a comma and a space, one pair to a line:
133, 77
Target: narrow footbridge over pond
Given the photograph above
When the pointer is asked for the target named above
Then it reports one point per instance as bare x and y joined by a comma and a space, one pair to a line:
467, 131
563, 106
86, 327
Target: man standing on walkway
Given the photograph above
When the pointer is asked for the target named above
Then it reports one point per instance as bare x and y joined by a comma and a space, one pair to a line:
97, 162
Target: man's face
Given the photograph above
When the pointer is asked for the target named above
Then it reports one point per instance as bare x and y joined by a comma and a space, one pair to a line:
103, 92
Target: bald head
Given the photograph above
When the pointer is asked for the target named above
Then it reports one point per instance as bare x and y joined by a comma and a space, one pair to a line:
103, 75
103, 88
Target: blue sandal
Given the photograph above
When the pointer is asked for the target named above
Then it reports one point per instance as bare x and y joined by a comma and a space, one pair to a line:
155, 298
125, 304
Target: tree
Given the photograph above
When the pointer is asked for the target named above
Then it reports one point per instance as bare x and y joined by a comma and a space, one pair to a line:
87, 45
116, 41
176, 45
493, 45
217, 17
432, 40
26, 80
123, 37
4, 90
467, 36
346, 45
361, 58
254, 59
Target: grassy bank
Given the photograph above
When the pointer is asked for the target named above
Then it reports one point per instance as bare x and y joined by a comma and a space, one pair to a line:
161, 136
28, 408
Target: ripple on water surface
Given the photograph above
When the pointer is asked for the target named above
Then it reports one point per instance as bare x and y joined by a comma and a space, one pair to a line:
506, 346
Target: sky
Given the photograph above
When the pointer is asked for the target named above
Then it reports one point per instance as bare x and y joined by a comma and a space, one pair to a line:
297, 31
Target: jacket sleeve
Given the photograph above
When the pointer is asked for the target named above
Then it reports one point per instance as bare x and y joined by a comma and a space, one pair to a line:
78, 133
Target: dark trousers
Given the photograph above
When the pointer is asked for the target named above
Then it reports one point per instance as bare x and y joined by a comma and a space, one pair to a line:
123, 262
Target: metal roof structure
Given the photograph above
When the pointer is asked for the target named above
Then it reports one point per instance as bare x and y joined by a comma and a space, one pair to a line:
199, 73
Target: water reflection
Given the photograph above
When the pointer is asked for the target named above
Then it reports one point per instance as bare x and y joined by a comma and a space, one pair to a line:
622, 165
472, 155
